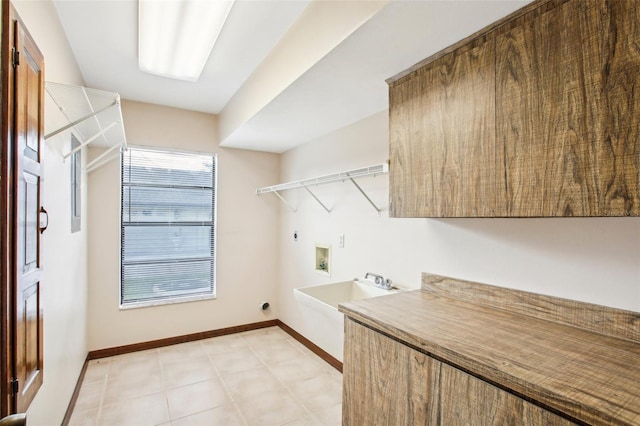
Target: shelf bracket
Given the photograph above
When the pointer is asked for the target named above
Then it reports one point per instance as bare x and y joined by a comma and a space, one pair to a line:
285, 201
88, 141
80, 120
364, 194
103, 158
316, 198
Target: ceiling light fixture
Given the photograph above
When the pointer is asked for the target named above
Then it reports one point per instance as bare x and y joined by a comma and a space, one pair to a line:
175, 37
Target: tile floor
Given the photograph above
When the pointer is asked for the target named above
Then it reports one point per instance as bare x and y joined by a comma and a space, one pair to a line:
259, 377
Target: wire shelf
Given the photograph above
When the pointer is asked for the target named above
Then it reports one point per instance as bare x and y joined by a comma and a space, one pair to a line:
349, 175
95, 116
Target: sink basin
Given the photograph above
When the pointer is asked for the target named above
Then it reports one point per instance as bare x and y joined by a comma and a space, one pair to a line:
323, 323
347, 291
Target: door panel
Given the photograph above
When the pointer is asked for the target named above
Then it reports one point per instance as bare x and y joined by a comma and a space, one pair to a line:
31, 189
31, 298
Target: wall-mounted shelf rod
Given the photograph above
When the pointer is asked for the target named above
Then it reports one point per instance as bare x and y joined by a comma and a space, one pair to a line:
351, 175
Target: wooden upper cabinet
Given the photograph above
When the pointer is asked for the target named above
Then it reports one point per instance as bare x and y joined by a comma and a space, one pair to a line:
566, 113
442, 138
538, 116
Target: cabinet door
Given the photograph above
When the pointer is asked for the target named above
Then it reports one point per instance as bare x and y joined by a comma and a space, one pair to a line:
385, 382
466, 400
568, 111
442, 137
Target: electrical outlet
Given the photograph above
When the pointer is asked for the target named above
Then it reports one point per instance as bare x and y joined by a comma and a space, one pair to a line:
341, 240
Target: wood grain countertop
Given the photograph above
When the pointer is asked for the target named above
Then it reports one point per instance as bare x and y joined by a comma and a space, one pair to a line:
591, 377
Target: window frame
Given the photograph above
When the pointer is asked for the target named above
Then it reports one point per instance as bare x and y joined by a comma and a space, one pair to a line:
76, 185
175, 299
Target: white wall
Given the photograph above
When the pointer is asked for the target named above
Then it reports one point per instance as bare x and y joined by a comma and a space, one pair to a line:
591, 259
594, 260
247, 231
64, 287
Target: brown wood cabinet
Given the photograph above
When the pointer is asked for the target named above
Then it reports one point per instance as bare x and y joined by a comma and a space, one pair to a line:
566, 114
386, 382
467, 400
443, 140
459, 352
389, 383
535, 116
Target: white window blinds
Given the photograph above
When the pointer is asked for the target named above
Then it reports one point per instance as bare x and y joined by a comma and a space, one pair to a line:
168, 226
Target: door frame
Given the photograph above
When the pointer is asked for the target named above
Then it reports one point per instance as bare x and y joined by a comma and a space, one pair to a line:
7, 403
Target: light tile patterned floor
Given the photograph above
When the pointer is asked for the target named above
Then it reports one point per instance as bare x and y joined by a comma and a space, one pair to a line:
259, 377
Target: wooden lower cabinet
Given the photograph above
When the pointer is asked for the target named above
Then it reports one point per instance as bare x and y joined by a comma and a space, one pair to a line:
386, 383
389, 383
467, 400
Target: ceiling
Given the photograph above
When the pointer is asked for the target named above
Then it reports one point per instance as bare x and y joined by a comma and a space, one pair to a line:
344, 83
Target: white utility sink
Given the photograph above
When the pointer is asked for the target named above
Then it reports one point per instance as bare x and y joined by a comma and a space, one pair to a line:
347, 291
324, 324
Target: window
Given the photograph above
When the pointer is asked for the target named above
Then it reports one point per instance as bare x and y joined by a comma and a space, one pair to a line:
76, 175
168, 227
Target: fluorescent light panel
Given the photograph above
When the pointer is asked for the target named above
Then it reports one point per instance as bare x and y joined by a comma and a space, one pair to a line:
175, 37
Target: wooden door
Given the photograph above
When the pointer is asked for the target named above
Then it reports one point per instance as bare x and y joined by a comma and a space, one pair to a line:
23, 97
442, 138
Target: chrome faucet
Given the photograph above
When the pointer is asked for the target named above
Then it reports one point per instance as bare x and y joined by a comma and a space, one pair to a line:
379, 280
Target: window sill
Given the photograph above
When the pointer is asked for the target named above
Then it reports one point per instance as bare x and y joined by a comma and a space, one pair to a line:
149, 304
